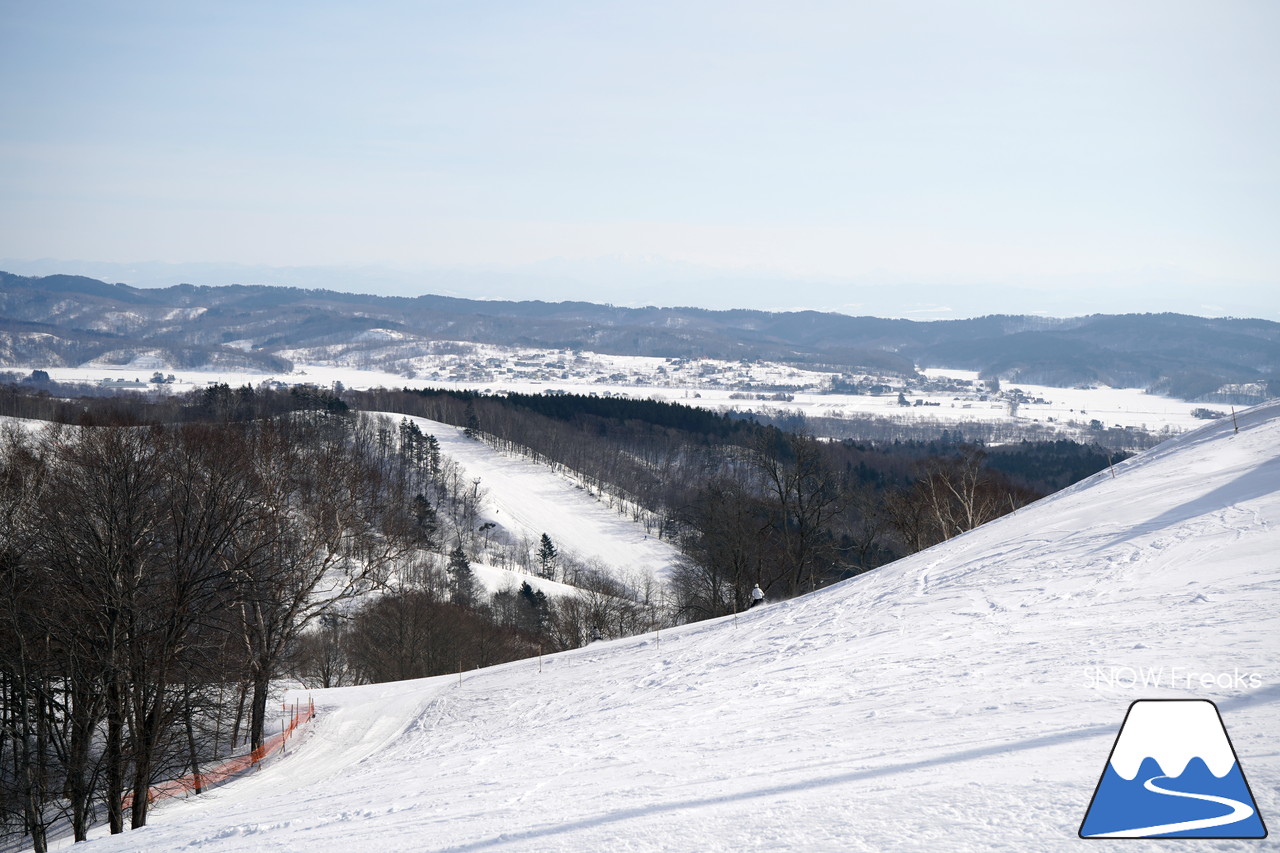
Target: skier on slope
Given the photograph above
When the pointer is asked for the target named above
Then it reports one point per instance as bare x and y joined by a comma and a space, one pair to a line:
757, 596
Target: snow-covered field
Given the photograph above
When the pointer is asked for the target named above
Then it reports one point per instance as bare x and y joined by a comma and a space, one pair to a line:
965, 698
21, 424
708, 383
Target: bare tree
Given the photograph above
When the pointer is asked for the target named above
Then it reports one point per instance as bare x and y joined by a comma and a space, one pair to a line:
27, 780
805, 495
725, 553
961, 493
98, 526
951, 495
327, 534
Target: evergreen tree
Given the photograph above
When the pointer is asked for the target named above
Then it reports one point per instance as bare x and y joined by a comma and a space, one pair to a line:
412, 443
472, 429
535, 609
433, 456
425, 516
547, 554
461, 578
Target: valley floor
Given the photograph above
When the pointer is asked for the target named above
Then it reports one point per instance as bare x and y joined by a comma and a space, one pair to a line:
1068, 411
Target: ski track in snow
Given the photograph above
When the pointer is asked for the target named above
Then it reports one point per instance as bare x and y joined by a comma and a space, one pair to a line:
946, 702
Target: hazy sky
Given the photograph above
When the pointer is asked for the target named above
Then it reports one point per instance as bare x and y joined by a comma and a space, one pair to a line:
1117, 150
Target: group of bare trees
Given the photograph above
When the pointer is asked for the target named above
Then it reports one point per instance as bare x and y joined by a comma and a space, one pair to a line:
420, 630
790, 517
951, 495
144, 569
767, 518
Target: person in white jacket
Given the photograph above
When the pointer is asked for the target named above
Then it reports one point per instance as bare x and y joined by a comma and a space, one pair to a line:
757, 596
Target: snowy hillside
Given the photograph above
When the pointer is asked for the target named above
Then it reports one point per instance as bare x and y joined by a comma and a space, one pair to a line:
966, 698
525, 499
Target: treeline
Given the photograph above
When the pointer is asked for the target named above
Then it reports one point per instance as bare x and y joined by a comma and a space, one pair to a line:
88, 405
639, 450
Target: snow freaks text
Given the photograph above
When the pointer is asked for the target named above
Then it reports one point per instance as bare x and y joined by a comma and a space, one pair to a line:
1144, 677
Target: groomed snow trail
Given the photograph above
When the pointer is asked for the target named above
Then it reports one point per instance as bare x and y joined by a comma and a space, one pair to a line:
952, 701
527, 499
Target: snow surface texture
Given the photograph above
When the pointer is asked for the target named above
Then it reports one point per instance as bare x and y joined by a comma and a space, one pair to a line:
960, 699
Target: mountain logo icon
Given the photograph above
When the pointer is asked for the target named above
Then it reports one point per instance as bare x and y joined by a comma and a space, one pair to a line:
1172, 773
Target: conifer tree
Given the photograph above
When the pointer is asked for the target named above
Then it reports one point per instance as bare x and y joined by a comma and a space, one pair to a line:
424, 515
536, 610
547, 554
462, 578
472, 429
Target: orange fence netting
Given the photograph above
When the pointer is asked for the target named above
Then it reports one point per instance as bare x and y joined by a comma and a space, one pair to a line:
197, 782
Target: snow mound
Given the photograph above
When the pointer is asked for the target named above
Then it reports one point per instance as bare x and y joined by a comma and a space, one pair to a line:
497, 579
965, 698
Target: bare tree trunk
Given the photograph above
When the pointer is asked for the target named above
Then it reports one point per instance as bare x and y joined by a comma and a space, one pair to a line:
84, 709
258, 709
235, 728
192, 753
29, 761
113, 755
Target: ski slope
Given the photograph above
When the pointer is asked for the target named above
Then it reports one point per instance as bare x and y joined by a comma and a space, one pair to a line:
960, 699
526, 499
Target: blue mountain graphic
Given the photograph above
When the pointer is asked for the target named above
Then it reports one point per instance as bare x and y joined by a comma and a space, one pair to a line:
1120, 805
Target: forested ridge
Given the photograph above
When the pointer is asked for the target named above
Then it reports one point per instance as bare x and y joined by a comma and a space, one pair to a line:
164, 561
62, 320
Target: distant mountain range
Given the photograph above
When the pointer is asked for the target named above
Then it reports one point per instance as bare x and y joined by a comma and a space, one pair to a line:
62, 320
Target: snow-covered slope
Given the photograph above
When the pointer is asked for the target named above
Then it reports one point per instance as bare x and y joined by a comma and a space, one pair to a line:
966, 698
527, 500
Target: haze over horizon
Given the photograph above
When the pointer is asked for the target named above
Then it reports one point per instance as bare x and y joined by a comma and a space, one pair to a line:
1061, 158
634, 283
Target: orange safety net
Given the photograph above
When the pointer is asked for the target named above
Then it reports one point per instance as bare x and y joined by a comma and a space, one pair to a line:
197, 782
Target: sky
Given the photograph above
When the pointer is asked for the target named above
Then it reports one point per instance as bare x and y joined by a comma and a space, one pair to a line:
866, 157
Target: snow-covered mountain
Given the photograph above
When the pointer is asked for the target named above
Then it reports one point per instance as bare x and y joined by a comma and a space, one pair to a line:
67, 321
965, 698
